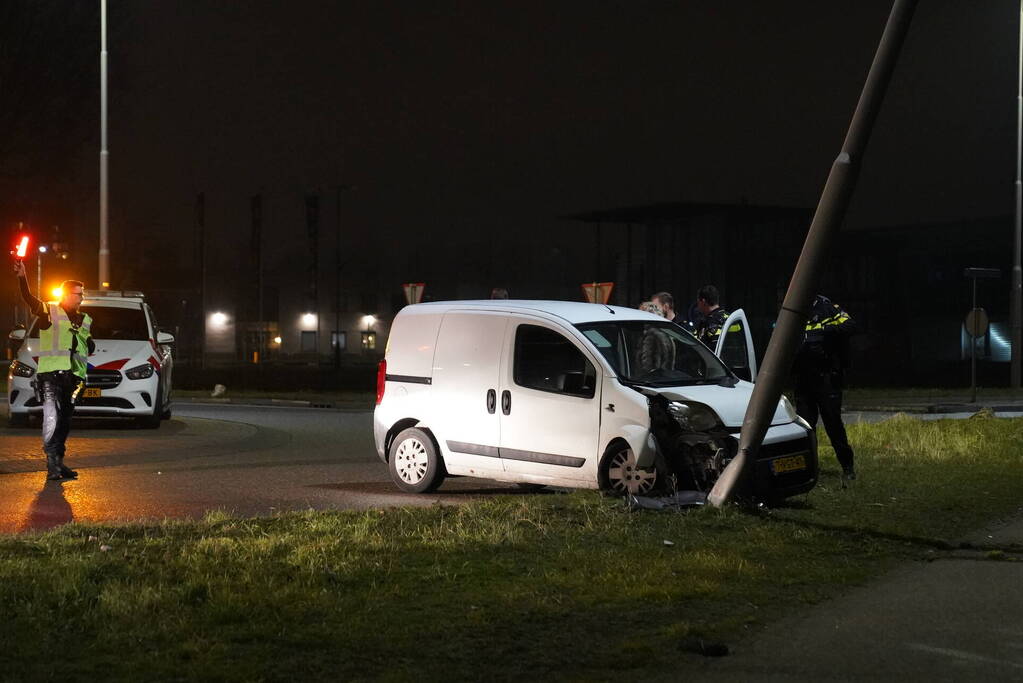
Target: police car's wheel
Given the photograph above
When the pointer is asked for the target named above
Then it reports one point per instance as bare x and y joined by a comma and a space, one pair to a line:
620, 474
414, 462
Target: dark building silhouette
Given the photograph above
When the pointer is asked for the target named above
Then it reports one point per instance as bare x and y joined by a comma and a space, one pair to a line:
903, 284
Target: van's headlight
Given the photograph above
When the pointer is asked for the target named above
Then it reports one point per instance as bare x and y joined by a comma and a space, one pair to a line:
790, 409
140, 372
694, 417
19, 369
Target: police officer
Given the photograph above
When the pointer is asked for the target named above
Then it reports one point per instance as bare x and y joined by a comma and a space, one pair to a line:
820, 375
712, 316
64, 344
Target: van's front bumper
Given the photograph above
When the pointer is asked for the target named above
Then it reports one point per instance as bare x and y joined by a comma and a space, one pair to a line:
787, 462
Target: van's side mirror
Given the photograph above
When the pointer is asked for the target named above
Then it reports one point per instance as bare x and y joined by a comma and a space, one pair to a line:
17, 335
164, 338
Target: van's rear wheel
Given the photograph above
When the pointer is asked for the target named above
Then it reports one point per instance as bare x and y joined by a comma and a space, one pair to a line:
620, 474
414, 462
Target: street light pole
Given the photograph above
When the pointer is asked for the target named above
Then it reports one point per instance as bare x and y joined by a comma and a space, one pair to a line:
104, 155
1016, 300
736, 479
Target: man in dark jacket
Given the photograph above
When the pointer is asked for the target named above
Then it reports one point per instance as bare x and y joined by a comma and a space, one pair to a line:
819, 370
713, 316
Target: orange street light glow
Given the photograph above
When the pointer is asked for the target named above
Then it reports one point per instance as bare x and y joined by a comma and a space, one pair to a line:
57, 292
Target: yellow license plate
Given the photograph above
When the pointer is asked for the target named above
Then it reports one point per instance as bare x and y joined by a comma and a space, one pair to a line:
789, 464
93, 393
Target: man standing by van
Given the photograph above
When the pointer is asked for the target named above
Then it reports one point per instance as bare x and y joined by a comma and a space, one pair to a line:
713, 316
819, 368
667, 303
64, 344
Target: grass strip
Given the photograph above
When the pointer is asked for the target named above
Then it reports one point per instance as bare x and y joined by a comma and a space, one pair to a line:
552, 586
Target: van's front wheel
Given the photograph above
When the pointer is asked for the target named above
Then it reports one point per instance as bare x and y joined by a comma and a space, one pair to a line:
619, 473
414, 462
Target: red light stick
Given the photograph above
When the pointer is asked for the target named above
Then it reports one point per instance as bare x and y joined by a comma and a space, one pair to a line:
22, 247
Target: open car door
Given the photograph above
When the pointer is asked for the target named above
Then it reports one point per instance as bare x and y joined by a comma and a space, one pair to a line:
735, 347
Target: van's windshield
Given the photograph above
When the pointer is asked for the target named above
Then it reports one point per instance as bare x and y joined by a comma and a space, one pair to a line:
655, 353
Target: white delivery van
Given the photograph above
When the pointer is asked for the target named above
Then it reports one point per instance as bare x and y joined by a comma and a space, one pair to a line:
573, 394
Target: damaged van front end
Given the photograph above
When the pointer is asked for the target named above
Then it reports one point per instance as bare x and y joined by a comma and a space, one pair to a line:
694, 446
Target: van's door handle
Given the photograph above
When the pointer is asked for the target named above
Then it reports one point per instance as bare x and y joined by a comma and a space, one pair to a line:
506, 402
491, 401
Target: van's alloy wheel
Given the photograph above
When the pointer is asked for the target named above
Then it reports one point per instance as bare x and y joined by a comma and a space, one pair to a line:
625, 476
414, 463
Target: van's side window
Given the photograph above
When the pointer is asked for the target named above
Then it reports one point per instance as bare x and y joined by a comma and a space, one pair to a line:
547, 361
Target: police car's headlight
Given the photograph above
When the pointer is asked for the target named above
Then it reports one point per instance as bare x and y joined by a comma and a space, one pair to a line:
140, 372
19, 369
786, 404
693, 417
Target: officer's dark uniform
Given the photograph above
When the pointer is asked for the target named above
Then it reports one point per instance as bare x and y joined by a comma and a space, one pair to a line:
708, 329
819, 370
57, 391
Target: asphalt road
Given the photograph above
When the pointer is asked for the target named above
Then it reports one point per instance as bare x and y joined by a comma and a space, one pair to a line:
247, 460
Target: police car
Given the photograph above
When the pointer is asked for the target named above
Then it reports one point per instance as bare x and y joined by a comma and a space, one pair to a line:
129, 375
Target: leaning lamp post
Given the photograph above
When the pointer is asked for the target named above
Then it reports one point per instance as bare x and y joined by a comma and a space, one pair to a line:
735, 481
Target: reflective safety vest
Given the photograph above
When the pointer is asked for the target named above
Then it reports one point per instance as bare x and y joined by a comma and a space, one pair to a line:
56, 341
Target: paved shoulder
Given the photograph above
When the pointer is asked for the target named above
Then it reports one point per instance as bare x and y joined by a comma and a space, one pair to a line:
953, 619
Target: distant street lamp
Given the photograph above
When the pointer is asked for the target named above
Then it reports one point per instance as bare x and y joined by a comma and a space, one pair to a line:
104, 155
39, 269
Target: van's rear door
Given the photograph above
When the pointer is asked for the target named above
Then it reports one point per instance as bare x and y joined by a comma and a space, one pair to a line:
465, 412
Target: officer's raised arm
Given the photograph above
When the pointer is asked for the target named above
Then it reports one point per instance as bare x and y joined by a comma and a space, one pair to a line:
34, 304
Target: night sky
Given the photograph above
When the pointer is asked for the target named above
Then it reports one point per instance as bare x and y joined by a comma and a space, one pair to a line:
482, 123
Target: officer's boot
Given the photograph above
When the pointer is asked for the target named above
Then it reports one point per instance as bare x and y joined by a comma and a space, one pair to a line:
53, 472
65, 471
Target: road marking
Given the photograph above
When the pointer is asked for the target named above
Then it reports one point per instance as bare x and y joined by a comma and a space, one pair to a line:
962, 654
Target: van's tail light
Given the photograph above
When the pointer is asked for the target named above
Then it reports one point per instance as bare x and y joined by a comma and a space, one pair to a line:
381, 380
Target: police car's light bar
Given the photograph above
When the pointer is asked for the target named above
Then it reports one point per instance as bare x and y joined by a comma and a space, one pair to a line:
119, 293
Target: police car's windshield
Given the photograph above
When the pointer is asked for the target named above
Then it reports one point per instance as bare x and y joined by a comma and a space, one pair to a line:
655, 353
109, 322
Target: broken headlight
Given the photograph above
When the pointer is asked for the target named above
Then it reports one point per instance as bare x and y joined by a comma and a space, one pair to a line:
693, 417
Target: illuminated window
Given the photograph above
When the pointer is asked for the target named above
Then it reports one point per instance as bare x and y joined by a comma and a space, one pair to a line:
339, 341
369, 341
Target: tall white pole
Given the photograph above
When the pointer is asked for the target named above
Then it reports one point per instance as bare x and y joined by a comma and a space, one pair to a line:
1016, 300
104, 156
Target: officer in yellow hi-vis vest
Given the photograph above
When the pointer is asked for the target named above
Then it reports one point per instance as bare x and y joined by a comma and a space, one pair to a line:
64, 345
819, 368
